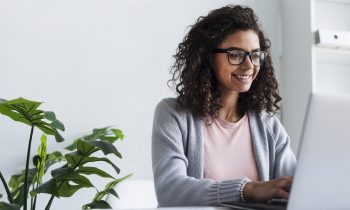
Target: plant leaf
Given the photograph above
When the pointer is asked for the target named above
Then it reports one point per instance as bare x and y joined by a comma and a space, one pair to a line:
58, 137
77, 160
16, 184
85, 149
97, 205
109, 187
9, 206
112, 192
42, 159
97, 133
50, 116
57, 124
49, 187
53, 158
72, 182
118, 133
106, 134
9, 112
99, 196
106, 147
61, 171
73, 146
93, 170
25, 111
65, 185
19, 109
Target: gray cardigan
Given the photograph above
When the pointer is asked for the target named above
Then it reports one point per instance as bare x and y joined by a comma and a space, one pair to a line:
177, 157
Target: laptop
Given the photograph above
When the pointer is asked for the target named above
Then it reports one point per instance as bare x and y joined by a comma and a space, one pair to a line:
322, 177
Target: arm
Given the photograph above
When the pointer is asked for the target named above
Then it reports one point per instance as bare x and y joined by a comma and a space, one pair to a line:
174, 187
284, 163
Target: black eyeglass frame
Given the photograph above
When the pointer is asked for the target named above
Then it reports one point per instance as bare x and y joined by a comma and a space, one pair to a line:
247, 54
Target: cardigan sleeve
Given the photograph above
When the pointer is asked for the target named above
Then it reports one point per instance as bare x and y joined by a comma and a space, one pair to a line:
285, 161
173, 185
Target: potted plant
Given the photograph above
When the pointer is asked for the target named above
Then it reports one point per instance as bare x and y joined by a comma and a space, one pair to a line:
72, 174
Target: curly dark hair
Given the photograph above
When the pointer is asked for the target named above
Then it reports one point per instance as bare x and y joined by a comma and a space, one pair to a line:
193, 74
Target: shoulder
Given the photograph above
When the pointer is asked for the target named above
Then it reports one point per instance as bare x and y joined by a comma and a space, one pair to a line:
268, 121
265, 117
168, 107
167, 103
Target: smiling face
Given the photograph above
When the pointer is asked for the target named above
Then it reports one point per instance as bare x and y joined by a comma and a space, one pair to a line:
236, 78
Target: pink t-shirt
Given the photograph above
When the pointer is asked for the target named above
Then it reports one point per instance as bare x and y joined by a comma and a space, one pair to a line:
228, 151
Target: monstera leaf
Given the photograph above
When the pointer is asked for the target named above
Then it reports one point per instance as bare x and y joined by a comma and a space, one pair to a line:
27, 112
107, 134
74, 174
71, 177
9, 206
16, 182
97, 202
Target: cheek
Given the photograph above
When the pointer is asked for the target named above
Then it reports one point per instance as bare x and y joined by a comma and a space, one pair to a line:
256, 72
219, 68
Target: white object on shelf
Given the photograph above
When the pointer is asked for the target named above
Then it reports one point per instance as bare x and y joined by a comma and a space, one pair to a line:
333, 39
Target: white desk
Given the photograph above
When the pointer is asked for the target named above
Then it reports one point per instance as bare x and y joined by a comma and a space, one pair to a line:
185, 208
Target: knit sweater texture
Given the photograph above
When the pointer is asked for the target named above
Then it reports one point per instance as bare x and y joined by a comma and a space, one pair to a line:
177, 157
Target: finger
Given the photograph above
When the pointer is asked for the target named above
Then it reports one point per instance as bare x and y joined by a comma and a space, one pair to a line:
280, 193
286, 185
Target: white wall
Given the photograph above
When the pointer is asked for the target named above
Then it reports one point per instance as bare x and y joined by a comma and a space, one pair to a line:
98, 63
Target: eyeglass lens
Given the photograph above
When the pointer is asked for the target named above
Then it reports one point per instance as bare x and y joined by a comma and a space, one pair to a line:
237, 57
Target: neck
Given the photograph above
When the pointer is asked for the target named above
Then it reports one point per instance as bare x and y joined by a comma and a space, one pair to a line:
229, 111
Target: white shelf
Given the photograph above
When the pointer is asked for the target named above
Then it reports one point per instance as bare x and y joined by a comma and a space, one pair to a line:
332, 56
309, 66
336, 1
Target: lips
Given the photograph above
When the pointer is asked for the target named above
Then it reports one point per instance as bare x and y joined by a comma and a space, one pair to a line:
243, 77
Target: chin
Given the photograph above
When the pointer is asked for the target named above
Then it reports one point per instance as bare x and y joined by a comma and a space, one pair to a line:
243, 90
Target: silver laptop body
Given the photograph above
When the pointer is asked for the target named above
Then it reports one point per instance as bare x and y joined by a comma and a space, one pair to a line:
322, 177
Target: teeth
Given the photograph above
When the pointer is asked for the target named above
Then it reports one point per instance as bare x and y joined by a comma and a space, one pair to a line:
245, 76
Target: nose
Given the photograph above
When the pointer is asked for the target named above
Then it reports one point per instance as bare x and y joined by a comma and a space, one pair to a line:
247, 63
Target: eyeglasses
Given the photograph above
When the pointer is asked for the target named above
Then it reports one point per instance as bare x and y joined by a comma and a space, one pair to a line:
237, 56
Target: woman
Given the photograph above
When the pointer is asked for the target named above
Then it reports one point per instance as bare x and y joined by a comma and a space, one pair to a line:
219, 140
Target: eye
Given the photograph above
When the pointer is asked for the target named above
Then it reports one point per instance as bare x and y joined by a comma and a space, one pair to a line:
236, 55
257, 55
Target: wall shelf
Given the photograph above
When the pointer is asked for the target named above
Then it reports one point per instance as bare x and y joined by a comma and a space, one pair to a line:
347, 2
332, 56
323, 62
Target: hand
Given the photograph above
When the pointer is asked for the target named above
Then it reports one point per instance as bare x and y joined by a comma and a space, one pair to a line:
264, 191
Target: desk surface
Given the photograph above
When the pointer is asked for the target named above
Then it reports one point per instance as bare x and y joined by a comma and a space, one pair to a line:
184, 208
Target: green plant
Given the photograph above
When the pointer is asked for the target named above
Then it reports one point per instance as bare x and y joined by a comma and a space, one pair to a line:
70, 176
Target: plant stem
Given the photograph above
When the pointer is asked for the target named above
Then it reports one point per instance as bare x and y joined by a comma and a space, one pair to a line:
6, 188
34, 204
25, 196
52, 197
33, 200
49, 203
